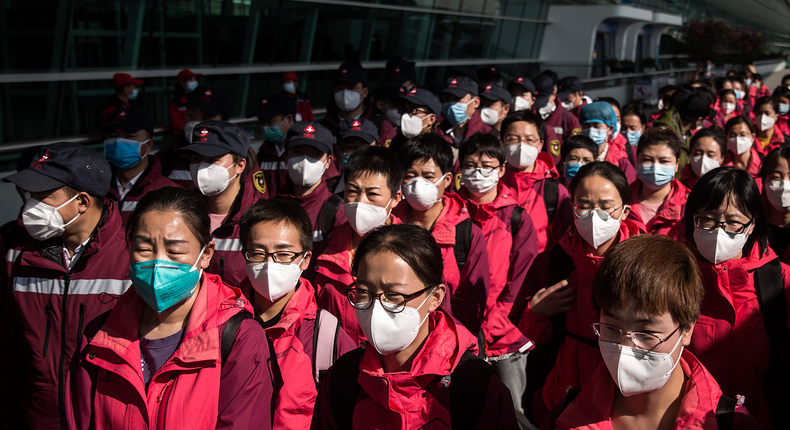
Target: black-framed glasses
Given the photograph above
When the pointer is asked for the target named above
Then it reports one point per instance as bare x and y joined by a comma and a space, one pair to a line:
584, 210
729, 226
485, 171
391, 301
413, 111
285, 257
646, 341
511, 140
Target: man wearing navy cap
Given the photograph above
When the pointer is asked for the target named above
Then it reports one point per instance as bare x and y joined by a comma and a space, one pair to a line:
125, 91
495, 104
276, 114
401, 72
569, 91
459, 107
488, 75
556, 117
523, 91
420, 111
352, 136
71, 265
128, 139
350, 97
386, 116
309, 156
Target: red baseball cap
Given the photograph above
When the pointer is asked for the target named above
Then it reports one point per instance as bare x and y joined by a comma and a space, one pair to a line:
290, 76
125, 78
186, 73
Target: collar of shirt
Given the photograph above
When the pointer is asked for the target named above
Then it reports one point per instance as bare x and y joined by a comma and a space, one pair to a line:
602, 156
71, 261
278, 150
124, 190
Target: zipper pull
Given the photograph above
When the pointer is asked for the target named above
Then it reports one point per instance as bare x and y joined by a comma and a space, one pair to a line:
162, 393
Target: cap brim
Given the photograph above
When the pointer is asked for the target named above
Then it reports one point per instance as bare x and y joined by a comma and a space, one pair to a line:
209, 108
399, 78
136, 81
456, 92
298, 141
361, 134
542, 101
263, 114
564, 95
492, 97
132, 126
347, 79
33, 181
205, 150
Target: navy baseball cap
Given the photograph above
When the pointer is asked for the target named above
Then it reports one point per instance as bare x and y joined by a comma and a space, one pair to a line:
390, 91
568, 85
550, 73
361, 128
401, 70
422, 97
488, 73
496, 93
133, 119
311, 134
544, 88
351, 75
65, 163
523, 82
460, 86
217, 138
271, 106
211, 100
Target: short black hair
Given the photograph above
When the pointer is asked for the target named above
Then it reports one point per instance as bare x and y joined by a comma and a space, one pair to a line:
483, 144
612, 102
772, 159
425, 147
766, 100
781, 92
525, 116
715, 133
740, 119
576, 142
277, 209
375, 159
723, 93
188, 204
661, 135
634, 108
608, 171
757, 77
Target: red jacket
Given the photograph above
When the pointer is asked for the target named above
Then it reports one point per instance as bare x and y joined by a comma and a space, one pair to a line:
730, 337
509, 260
228, 261
468, 288
578, 109
292, 337
387, 132
473, 125
756, 93
45, 310
274, 168
669, 217
175, 165
193, 389
415, 399
533, 204
177, 114
313, 203
563, 123
755, 163
617, 156
776, 141
783, 122
303, 107
576, 361
151, 179
688, 177
592, 408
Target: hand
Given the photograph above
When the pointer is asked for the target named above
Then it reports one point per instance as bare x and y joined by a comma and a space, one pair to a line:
553, 300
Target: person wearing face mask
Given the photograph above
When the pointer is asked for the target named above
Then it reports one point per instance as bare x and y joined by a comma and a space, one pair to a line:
186, 82
617, 138
304, 109
204, 104
775, 175
65, 273
727, 106
352, 136
309, 157
658, 198
125, 92
128, 139
576, 152
427, 176
747, 291
420, 111
634, 124
512, 243
647, 296
742, 150
598, 121
179, 349
549, 108
276, 114
386, 116
350, 100
373, 176
741, 90
401, 71
571, 95
557, 286
782, 96
523, 92
768, 135
278, 244
489, 75
459, 107
224, 170
495, 103
708, 147
664, 102
417, 353
757, 89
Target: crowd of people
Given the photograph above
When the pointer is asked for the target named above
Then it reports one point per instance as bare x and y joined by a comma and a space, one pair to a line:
490, 254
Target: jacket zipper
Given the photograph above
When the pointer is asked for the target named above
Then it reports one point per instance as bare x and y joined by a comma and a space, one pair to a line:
48, 309
164, 401
79, 325
62, 361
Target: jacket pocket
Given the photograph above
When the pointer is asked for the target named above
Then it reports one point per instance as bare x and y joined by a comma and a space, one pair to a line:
48, 310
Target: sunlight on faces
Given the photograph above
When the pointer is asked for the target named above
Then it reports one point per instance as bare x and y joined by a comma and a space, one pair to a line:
660, 154
523, 132
430, 171
579, 155
708, 147
632, 319
166, 236
599, 193
632, 123
273, 236
370, 188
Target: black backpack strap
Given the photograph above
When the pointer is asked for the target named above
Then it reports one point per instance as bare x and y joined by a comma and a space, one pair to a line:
229, 333
468, 386
725, 412
515, 221
344, 388
463, 242
328, 212
551, 189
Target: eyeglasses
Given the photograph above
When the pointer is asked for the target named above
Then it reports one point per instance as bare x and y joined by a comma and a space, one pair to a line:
646, 341
391, 301
485, 171
584, 210
512, 140
284, 257
711, 224
412, 111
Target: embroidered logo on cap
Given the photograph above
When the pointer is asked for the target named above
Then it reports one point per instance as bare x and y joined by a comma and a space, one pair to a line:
344, 72
122, 114
520, 80
397, 70
204, 131
401, 90
453, 83
488, 89
413, 92
309, 129
263, 102
356, 125
207, 93
44, 157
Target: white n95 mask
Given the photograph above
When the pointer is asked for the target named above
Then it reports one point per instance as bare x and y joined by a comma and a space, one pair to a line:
305, 171
702, 164
421, 194
389, 332
43, 221
718, 246
598, 227
778, 193
210, 178
274, 280
521, 155
364, 217
635, 370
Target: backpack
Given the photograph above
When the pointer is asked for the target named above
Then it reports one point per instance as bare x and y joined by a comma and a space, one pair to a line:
551, 189
229, 333
325, 332
468, 386
327, 215
463, 236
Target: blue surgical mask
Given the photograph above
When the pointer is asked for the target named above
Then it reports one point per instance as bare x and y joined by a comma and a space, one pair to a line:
123, 153
748, 81
134, 93
192, 85
164, 283
784, 108
655, 175
633, 137
344, 158
597, 135
570, 169
455, 112
289, 87
274, 133
739, 94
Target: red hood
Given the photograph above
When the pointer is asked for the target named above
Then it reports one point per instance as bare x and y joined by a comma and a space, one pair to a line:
671, 209
454, 212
